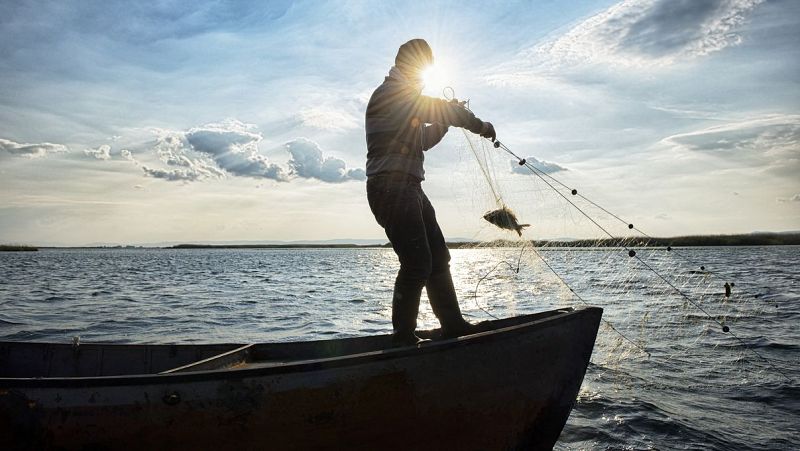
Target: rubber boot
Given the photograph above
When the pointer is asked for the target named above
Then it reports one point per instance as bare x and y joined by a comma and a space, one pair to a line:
444, 303
405, 308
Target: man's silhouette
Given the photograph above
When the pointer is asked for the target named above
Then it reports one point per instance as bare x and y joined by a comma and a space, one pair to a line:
401, 124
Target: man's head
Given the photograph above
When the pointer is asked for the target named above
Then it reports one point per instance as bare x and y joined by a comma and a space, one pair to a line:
413, 57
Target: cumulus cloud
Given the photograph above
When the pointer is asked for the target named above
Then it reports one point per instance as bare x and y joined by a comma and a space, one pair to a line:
173, 175
234, 148
231, 148
169, 148
650, 33
211, 151
544, 166
101, 153
31, 150
126, 154
173, 149
307, 161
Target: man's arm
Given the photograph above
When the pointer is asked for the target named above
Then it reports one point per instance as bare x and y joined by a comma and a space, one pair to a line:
439, 111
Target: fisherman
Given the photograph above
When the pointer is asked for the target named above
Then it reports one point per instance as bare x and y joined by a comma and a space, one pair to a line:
401, 124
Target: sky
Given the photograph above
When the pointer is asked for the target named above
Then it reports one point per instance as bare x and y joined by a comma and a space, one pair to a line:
170, 121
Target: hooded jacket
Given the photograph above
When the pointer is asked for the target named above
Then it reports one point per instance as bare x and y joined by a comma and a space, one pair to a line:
401, 123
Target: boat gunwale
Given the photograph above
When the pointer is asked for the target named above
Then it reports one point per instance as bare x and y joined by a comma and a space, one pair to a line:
241, 351
297, 366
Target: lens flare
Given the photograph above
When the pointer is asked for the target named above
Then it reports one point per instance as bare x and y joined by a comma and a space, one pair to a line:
435, 79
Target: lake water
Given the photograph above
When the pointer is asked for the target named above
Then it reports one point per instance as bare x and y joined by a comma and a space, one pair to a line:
699, 388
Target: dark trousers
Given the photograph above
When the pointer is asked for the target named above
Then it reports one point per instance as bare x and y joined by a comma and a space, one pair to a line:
404, 211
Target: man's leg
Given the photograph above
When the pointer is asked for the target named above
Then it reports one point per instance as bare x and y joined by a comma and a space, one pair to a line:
400, 212
439, 286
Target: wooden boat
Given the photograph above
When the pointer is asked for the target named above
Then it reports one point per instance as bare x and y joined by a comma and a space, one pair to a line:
509, 387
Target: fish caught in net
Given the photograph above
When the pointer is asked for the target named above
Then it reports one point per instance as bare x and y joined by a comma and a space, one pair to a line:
505, 219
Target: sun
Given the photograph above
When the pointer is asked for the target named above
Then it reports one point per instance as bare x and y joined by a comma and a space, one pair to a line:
435, 77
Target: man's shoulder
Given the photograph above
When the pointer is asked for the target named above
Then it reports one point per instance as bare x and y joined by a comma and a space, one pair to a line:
393, 91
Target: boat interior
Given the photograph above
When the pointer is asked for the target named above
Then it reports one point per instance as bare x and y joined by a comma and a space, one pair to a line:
66, 360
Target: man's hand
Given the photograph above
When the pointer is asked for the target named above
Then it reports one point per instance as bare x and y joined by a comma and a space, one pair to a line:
461, 103
488, 131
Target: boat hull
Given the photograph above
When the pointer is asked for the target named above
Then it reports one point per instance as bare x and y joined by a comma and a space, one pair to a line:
510, 388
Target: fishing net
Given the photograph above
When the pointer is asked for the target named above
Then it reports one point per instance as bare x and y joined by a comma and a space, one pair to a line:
668, 309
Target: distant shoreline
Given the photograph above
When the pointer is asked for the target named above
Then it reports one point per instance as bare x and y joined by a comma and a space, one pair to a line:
17, 248
274, 246
765, 239
752, 239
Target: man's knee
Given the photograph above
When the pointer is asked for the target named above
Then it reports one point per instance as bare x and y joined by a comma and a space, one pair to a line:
415, 273
440, 261
439, 268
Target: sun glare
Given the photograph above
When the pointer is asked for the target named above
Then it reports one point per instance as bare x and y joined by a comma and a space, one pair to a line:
436, 79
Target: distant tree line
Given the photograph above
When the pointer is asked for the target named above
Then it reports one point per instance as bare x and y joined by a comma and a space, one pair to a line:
752, 239
16, 248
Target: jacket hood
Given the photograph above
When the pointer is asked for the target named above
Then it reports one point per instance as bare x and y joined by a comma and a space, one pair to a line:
413, 56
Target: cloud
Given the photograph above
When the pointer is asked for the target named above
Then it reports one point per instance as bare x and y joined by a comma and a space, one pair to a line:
214, 151
31, 150
101, 153
173, 175
170, 147
173, 149
650, 33
234, 148
231, 148
329, 119
544, 166
211, 151
138, 25
763, 132
772, 141
782, 200
126, 154
307, 161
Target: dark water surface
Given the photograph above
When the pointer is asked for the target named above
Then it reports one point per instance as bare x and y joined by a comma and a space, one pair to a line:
700, 388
